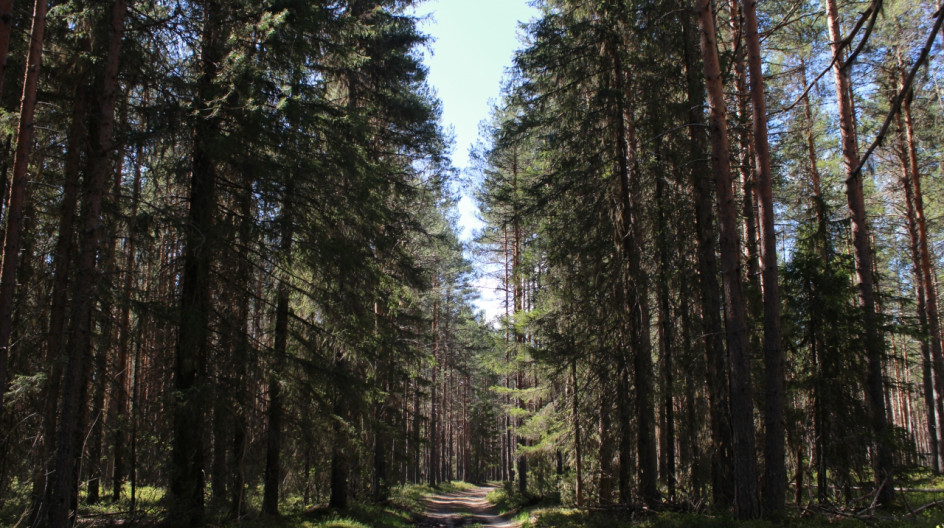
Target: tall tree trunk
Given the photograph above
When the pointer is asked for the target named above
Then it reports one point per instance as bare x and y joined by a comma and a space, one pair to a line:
434, 418
742, 419
121, 397
666, 340
578, 447
935, 342
339, 453
71, 409
712, 328
775, 471
185, 501
62, 269
605, 484
819, 202
874, 340
16, 202
273, 469
270, 501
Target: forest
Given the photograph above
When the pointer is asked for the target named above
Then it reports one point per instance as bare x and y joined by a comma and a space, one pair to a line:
233, 289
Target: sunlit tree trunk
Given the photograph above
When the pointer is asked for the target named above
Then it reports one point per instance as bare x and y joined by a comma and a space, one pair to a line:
874, 340
927, 271
742, 419
775, 472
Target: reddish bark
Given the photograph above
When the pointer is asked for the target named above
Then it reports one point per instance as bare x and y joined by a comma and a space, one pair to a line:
874, 342
79, 349
775, 471
6, 28
742, 419
16, 202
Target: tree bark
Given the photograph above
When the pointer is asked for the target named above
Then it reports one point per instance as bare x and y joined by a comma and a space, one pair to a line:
121, 396
712, 328
62, 268
273, 469
578, 453
666, 341
71, 409
186, 501
16, 202
742, 419
775, 471
928, 276
874, 340
6, 28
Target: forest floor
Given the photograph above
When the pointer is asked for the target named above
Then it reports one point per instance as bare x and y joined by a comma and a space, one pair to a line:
464, 508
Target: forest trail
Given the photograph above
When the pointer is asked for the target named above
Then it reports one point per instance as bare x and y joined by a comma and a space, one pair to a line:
464, 508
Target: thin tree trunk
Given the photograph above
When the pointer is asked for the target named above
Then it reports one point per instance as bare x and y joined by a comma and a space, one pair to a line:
666, 341
339, 453
874, 341
605, 485
270, 502
742, 419
16, 202
935, 342
578, 453
121, 395
775, 471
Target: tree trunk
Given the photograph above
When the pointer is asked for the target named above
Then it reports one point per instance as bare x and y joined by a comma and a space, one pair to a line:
927, 271
6, 28
71, 409
775, 471
339, 458
635, 303
874, 341
62, 268
270, 502
121, 396
185, 498
605, 485
666, 341
742, 419
16, 199
712, 328
578, 454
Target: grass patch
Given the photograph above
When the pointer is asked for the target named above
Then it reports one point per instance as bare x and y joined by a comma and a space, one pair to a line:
508, 500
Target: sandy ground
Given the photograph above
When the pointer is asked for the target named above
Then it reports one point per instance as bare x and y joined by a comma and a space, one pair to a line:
464, 508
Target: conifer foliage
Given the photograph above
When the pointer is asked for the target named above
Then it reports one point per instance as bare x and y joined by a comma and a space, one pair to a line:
231, 276
667, 169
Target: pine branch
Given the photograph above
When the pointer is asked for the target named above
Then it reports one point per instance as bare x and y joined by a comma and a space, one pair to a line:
905, 89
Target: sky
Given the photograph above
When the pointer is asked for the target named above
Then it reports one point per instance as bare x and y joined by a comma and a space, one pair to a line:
473, 42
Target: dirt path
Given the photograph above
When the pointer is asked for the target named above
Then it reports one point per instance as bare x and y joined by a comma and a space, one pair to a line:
463, 508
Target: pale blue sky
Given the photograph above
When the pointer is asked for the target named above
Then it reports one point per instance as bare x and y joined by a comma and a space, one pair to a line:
473, 44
